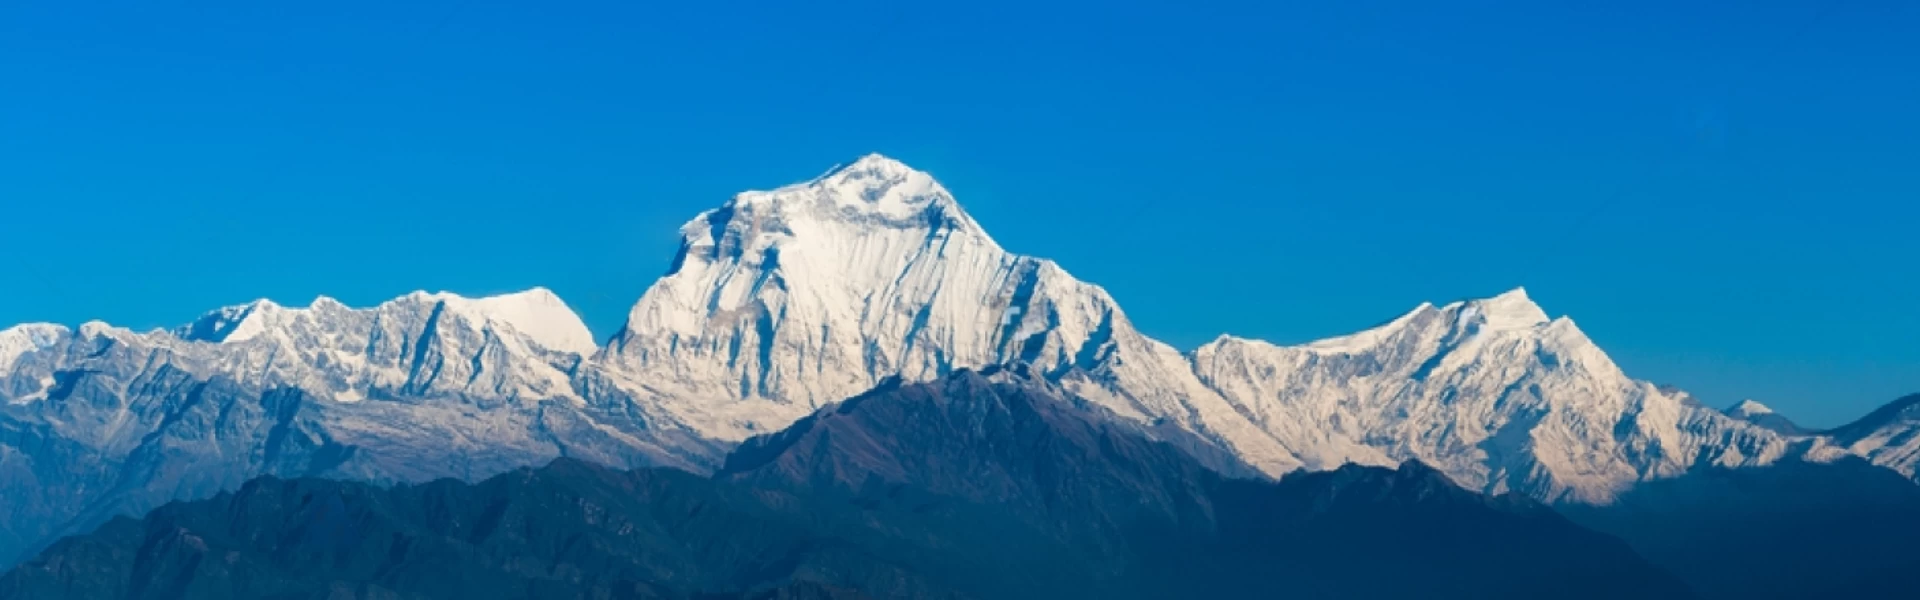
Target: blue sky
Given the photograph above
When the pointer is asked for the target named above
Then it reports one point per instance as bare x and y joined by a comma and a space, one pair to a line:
1723, 196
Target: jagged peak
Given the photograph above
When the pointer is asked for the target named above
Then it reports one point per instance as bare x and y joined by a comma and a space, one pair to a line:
849, 227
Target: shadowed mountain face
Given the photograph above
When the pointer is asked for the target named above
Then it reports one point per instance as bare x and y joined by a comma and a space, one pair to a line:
977, 485
568, 530
1792, 530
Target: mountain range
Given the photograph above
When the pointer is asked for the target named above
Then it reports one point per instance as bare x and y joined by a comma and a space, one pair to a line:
780, 304
977, 485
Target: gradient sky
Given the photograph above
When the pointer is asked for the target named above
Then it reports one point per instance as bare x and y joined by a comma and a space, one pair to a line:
1724, 197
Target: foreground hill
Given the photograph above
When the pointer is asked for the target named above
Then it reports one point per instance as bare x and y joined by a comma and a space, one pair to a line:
1791, 530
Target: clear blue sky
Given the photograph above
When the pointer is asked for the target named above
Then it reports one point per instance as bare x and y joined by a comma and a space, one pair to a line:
1722, 194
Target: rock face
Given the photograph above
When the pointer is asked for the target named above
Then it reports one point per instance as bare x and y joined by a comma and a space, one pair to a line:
973, 486
783, 302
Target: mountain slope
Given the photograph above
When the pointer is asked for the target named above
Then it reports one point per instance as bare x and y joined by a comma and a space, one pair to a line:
1024, 493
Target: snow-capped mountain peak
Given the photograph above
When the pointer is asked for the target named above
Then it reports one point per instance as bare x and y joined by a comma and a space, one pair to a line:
853, 229
536, 313
1510, 310
875, 184
24, 338
230, 323
874, 191
1751, 411
1748, 408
